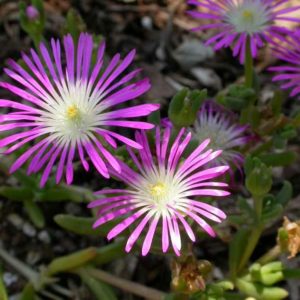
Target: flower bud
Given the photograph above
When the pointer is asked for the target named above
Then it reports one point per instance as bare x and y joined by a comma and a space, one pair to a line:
259, 179
32, 13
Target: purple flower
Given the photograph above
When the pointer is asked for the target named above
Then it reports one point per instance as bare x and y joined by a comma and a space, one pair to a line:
162, 192
236, 20
217, 124
289, 74
69, 111
32, 13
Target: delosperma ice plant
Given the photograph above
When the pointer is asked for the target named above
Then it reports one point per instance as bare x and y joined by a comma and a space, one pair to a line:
236, 20
163, 191
166, 179
288, 72
71, 110
225, 134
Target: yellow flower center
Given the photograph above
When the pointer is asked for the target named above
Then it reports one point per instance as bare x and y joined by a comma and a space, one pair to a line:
158, 190
248, 15
73, 112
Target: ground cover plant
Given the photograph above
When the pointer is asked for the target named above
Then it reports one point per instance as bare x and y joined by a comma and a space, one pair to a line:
150, 149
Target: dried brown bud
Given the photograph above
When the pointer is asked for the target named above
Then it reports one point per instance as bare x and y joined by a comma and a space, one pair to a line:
189, 275
289, 237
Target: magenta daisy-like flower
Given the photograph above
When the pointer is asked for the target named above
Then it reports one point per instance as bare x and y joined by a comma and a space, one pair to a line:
236, 20
162, 192
217, 124
289, 74
68, 110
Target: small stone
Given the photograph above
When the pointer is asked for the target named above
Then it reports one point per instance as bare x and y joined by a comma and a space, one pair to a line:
15, 220
9, 278
207, 77
191, 53
147, 22
73, 208
29, 230
44, 237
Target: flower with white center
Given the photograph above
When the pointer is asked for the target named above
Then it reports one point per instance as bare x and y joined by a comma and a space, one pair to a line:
69, 111
238, 20
215, 123
289, 73
249, 16
162, 192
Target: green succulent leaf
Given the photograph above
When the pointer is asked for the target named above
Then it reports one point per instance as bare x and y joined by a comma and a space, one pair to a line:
109, 253
251, 115
3, 292
71, 261
184, 107
65, 193
154, 118
74, 24
271, 212
16, 193
238, 97
276, 102
285, 194
35, 213
28, 293
83, 225
100, 289
259, 291
278, 159
246, 208
236, 249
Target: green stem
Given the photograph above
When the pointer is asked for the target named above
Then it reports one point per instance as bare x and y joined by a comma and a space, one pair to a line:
249, 69
126, 285
253, 240
22, 268
254, 235
37, 279
258, 206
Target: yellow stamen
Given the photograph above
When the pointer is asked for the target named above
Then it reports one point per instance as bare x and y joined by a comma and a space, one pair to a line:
73, 112
158, 190
248, 15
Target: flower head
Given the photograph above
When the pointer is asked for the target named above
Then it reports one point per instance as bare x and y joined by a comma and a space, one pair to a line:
69, 110
162, 192
236, 20
289, 74
218, 125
